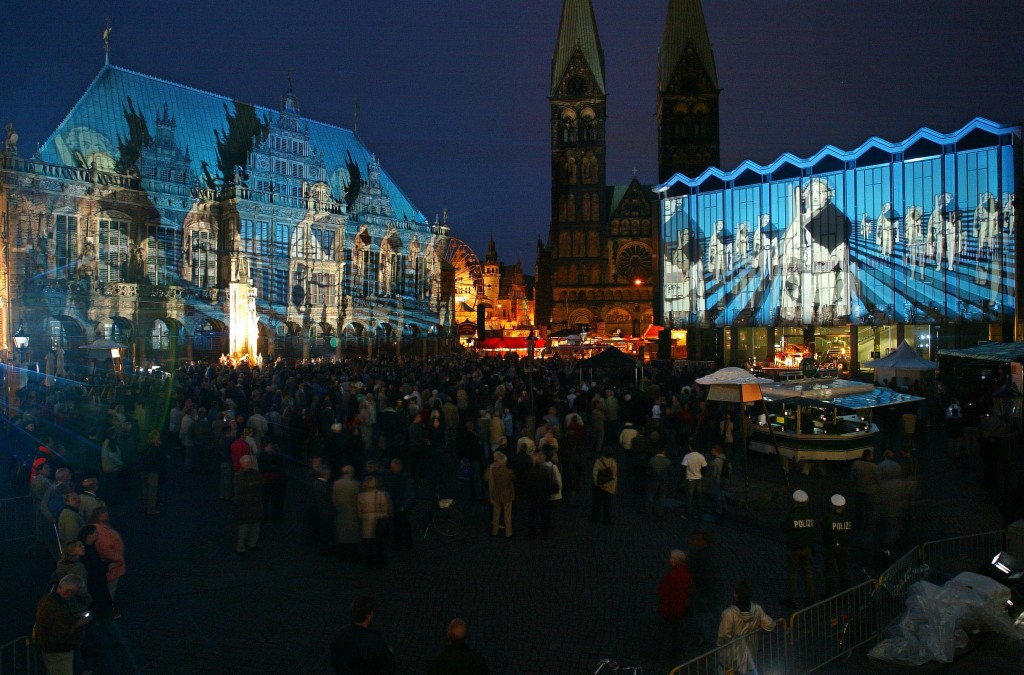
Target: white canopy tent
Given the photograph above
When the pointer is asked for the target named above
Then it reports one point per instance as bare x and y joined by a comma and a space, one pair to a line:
903, 366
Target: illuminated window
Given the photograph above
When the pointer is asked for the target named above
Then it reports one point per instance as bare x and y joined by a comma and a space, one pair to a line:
281, 232
203, 259
113, 250
66, 243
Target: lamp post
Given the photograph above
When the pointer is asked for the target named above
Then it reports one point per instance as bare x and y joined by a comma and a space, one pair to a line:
531, 344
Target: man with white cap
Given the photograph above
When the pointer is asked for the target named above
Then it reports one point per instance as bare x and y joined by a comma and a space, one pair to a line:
800, 541
836, 531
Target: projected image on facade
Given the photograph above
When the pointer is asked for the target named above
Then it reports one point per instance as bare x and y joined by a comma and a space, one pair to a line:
916, 232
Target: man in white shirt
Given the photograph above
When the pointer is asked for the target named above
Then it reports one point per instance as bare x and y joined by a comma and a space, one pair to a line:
694, 463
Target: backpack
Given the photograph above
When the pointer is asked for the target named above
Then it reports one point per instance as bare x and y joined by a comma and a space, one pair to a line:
604, 475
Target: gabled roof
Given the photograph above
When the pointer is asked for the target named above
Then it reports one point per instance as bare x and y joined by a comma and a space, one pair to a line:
577, 29
978, 124
684, 26
98, 121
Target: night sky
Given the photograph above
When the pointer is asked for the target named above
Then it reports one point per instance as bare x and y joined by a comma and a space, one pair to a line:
452, 95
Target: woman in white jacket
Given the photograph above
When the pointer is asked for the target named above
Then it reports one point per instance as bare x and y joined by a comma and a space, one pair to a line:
742, 619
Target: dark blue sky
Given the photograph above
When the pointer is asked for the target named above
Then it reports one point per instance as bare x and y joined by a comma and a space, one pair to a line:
452, 95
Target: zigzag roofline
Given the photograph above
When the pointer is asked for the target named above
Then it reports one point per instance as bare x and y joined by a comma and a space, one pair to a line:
925, 133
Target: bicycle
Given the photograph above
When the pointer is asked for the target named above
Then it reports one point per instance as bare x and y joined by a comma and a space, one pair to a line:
614, 667
445, 517
867, 621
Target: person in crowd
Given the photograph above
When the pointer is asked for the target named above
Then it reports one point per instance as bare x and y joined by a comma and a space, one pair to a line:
248, 489
836, 534
673, 605
536, 486
742, 619
458, 658
717, 470
706, 592
605, 478
112, 463
273, 468
88, 501
800, 528
502, 493
38, 489
110, 547
154, 460
70, 521
359, 649
659, 472
693, 465
864, 476
347, 528
374, 512
400, 489
58, 630
323, 511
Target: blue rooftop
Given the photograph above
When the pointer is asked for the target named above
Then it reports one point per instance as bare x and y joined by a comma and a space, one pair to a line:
95, 126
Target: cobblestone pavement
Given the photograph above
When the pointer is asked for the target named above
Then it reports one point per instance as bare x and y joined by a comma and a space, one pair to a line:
552, 606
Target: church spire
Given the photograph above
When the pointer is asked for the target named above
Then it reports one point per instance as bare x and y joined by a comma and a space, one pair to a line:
685, 28
577, 30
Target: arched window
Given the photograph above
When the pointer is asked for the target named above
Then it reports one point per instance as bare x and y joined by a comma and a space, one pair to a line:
564, 245
569, 170
160, 335
567, 126
587, 130
586, 208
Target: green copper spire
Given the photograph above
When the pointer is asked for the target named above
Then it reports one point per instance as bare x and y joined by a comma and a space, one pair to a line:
684, 27
577, 30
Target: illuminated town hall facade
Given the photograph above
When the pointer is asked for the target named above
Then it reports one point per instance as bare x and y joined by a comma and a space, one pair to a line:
152, 203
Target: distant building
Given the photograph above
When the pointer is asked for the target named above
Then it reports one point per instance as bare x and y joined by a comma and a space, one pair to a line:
503, 291
599, 267
151, 198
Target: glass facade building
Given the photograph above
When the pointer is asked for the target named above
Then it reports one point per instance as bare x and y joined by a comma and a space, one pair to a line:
920, 233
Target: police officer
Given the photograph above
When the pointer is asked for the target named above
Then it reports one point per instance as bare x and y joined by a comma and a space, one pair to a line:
800, 541
836, 531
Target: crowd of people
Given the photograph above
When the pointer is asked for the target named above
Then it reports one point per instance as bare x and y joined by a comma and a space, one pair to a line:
358, 438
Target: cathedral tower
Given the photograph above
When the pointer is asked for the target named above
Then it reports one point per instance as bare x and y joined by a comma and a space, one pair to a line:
578, 102
688, 140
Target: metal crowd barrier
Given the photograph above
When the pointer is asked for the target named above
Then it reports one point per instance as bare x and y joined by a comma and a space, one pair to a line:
813, 636
951, 556
816, 632
20, 657
17, 519
759, 652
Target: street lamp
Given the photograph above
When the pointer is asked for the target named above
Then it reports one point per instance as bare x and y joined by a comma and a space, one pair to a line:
21, 340
1007, 403
531, 343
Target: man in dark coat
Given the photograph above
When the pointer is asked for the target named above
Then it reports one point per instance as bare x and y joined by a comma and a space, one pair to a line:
248, 506
360, 650
458, 658
535, 485
398, 484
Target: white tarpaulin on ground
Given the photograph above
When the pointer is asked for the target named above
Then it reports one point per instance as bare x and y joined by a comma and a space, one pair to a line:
938, 619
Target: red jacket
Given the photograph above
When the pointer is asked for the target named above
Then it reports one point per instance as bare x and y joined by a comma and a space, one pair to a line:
674, 591
238, 448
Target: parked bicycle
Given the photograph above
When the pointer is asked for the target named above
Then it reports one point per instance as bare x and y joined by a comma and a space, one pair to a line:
868, 620
612, 666
445, 517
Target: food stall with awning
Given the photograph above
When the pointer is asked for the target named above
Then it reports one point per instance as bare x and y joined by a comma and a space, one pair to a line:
822, 419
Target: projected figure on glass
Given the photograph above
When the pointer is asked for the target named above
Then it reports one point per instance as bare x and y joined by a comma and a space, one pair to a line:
765, 255
985, 229
865, 226
815, 258
913, 227
740, 244
887, 230
944, 231
716, 252
684, 280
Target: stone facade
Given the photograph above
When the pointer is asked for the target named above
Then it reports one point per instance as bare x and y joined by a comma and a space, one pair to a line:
151, 199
